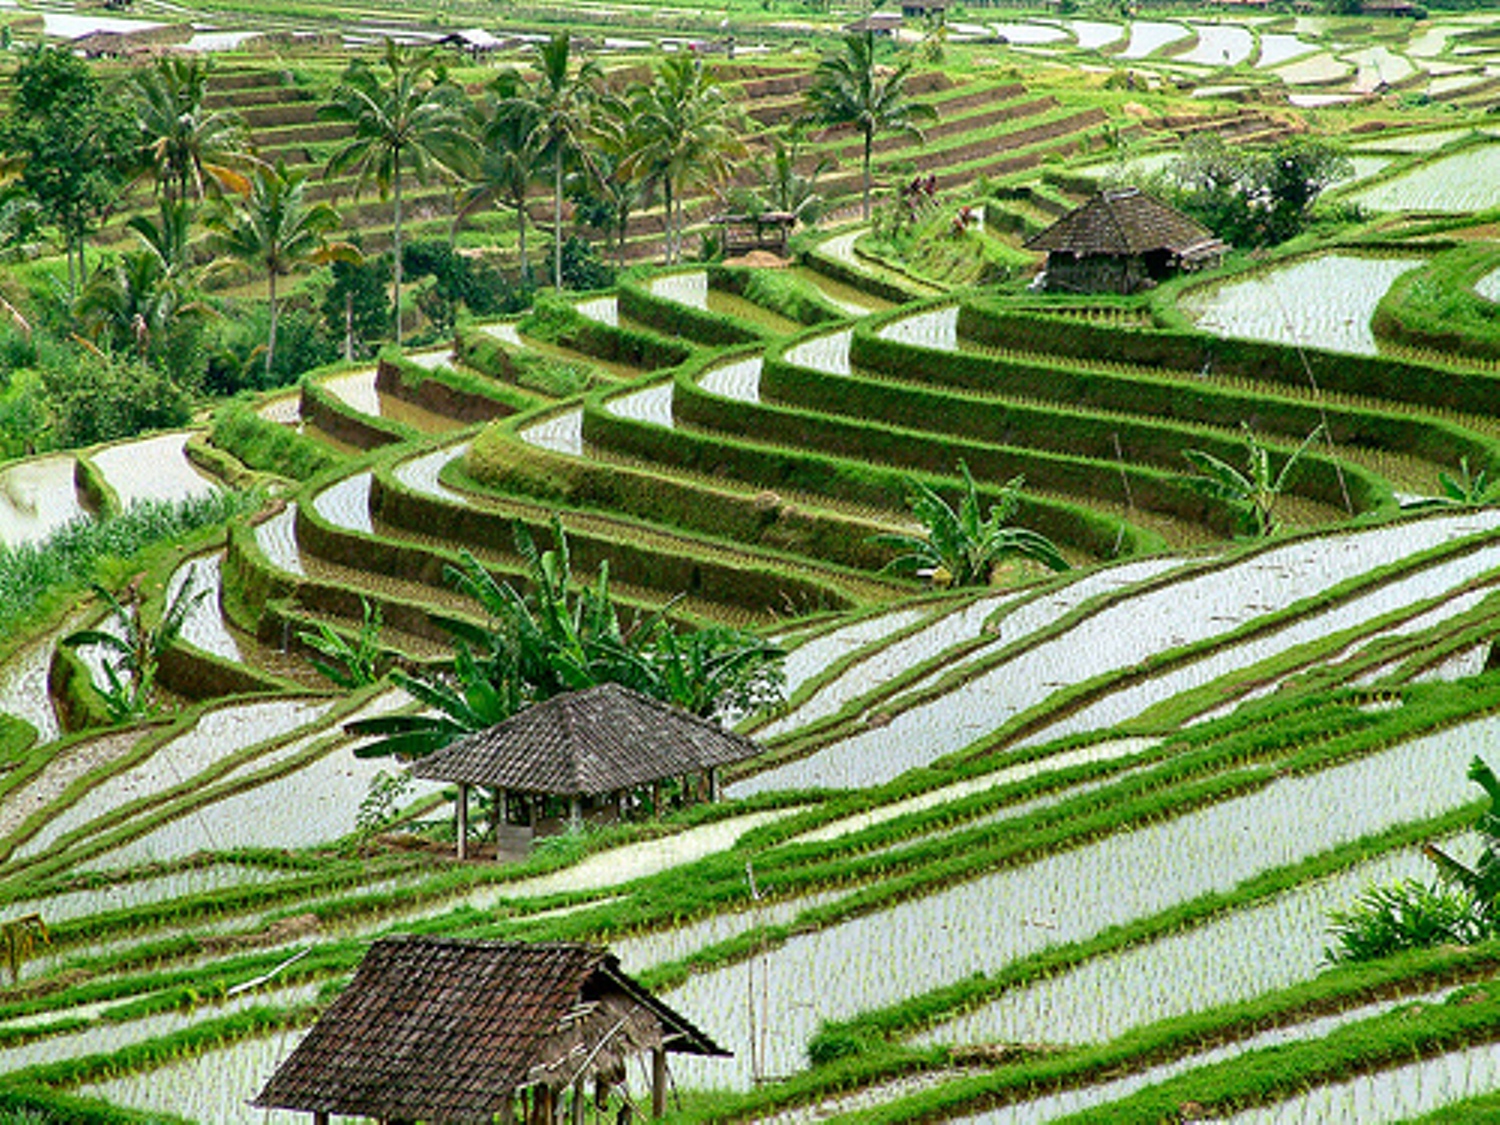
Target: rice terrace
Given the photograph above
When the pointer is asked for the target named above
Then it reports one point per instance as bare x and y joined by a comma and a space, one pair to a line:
770, 562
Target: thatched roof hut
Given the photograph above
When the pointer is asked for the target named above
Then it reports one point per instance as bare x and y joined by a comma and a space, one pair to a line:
1122, 240
447, 1030
600, 744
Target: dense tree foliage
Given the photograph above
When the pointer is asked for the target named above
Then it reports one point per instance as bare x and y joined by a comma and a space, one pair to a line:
71, 143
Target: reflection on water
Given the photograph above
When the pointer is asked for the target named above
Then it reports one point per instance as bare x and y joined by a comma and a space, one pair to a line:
36, 498
154, 468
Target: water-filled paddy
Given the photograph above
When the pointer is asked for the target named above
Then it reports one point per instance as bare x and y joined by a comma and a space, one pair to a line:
1465, 181
1318, 69
1389, 1095
1224, 44
1121, 634
1029, 34
1488, 286
204, 626
277, 539
982, 925
1188, 971
869, 674
1431, 582
1324, 301
560, 433
1093, 34
692, 289
214, 736
357, 390
346, 503
651, 404
36, 498
1149, 36
1054, 1107
1276, 49
154, 468
738, 379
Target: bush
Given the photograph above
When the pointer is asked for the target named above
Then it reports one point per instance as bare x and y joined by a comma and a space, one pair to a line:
95, 397
581, 267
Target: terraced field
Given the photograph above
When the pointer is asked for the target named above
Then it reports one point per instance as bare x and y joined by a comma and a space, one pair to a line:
955, 785
1060, 848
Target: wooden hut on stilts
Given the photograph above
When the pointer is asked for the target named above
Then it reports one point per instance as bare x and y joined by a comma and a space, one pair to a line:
602, 752
442, 1030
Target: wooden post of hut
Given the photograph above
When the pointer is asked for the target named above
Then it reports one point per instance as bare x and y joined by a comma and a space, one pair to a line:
461, 820
658, 1081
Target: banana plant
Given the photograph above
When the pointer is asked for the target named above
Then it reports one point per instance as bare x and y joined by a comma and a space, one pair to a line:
136, 648
1482, 880
1252, 493
19, 938
962, 546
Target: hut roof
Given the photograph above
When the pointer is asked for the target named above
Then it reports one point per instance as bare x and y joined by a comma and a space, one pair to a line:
584, 743
1123, 221
443, 1029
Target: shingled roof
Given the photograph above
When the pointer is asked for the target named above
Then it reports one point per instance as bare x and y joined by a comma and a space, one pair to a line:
1124, 222
443, 1029
586, 743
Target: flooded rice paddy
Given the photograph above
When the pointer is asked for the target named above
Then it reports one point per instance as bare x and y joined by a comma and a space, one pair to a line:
1149, 36
738, 379
37, 497
559, 433
1220, 45
1464, 181
984, 924
1118, 635
217, 734
1325, 301
1188, 971
154, 468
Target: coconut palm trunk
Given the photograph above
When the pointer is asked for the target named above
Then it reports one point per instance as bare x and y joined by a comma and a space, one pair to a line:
557, 201
396, 244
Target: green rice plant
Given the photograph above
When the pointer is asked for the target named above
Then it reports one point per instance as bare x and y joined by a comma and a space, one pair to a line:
74, 554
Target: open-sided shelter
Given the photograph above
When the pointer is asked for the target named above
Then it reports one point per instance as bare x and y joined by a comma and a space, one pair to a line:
446, 1030
596, 748
1122, 240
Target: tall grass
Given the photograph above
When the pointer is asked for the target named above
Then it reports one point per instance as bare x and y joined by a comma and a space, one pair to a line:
72, 555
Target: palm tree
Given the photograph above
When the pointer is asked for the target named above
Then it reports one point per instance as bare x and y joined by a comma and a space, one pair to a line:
559, 101
405, 116
185, 145
962, 547
511, 155
1253, 492
275, 228
850, 89
136, 298
687, 136
616, 138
